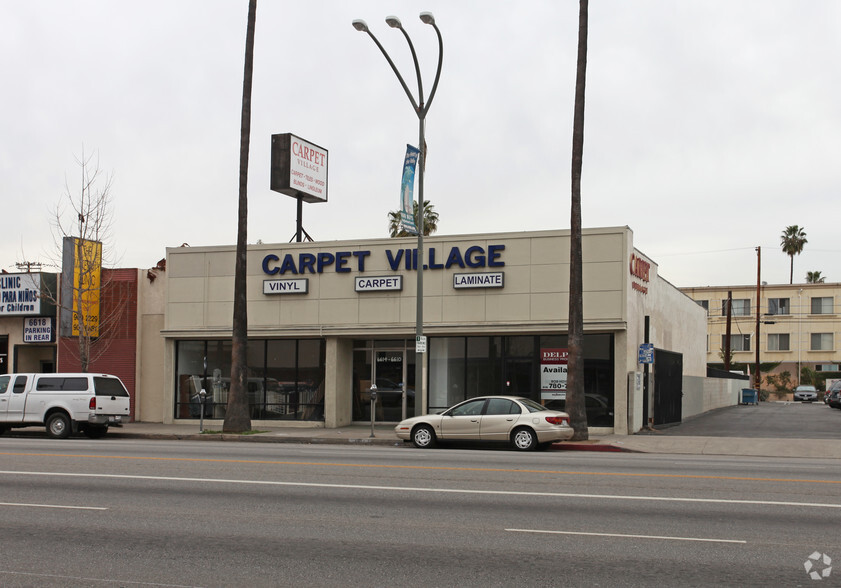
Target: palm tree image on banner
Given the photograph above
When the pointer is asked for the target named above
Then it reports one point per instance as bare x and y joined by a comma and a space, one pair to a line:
407, 214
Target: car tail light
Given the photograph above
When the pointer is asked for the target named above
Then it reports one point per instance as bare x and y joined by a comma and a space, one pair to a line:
92, 403
557, 420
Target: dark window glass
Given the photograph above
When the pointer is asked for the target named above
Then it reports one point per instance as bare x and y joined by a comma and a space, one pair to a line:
472, 408
108, 387
62, 384
20, 384
502, 406
285, 379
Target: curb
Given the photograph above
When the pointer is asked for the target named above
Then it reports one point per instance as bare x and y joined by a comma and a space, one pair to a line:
592, 447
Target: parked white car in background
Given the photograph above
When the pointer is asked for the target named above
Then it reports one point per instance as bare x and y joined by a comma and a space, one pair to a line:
64, 403
522, 422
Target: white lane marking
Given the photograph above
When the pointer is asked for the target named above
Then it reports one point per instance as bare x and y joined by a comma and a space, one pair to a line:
623, 536
53, 506
76, 579
431, 490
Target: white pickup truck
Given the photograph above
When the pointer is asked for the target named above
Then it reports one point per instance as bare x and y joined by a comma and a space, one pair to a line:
64, 403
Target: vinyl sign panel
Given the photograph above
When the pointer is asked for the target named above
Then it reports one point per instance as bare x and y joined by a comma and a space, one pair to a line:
298, 286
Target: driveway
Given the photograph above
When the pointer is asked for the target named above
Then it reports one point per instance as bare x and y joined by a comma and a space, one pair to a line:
786, 420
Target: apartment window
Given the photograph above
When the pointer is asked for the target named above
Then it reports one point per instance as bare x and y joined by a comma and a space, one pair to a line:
827, 367
737, 342
705, 304
821, 341
822, 305
779, 306
778, 342
741, 307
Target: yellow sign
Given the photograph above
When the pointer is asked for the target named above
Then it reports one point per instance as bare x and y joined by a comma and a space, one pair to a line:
87, 268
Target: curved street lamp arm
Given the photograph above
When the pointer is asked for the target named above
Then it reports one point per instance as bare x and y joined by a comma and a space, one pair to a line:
419, 108
394, 69
438, 72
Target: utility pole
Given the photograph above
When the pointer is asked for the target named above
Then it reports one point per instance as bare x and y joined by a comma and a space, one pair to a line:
757, 379
727, 346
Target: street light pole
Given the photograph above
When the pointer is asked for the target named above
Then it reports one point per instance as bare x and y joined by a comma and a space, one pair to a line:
420, 109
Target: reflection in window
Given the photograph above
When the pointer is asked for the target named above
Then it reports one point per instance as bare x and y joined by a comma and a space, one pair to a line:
285, 379
822, 305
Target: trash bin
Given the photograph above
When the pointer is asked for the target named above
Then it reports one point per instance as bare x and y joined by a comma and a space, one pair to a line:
749, 396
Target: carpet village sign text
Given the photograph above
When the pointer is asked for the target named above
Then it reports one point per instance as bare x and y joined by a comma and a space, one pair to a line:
473, 257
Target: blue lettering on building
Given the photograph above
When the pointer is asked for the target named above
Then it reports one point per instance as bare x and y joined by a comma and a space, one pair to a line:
474, 256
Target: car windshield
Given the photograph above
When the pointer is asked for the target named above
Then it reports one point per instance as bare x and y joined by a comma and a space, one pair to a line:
806, 389
531, 405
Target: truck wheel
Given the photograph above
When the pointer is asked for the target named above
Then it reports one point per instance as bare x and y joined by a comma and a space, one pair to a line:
95, 431
58, 426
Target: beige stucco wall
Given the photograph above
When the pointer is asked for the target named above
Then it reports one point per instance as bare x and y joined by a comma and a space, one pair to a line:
535, 296
151, 380
535, 299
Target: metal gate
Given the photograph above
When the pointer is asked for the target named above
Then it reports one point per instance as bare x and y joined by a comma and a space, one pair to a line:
668, 387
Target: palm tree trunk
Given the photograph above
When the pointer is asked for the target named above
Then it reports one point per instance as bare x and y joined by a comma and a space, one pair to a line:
575, 369
237, 417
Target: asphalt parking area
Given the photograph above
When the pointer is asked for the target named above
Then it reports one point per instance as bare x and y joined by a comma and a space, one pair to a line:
786, 420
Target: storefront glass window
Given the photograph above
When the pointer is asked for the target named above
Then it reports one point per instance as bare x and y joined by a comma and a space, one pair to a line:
467, 367
483, 367
362, 379
189, 379
284, 378
446, 372
311, 379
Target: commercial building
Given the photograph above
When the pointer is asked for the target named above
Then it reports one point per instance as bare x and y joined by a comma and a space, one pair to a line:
327, 320
27, 322
798, 326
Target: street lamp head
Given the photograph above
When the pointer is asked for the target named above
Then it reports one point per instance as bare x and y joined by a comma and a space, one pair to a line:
427, 18
360, 25
393, 22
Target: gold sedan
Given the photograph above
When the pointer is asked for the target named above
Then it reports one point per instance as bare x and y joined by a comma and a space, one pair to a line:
523, 423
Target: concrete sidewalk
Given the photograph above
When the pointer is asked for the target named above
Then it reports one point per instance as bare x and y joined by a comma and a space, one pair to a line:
651, 442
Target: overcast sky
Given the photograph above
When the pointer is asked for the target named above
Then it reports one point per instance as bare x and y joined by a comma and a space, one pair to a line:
710, 125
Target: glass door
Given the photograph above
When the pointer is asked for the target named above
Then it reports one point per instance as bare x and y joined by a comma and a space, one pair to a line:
389, 367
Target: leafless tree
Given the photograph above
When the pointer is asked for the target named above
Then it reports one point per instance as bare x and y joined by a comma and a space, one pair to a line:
237, 419
82, 225
575, 405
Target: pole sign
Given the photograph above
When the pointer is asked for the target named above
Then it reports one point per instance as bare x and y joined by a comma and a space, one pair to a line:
299, 168
646, 353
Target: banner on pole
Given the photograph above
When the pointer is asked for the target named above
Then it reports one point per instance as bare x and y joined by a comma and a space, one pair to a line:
407, 213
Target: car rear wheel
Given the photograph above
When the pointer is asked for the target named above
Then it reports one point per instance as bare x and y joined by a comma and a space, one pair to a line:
423, 437
524, 439
58, 426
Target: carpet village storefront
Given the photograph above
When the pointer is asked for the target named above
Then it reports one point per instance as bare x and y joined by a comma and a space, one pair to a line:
326, 320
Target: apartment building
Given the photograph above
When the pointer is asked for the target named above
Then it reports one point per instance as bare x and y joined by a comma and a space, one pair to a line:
799, 325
